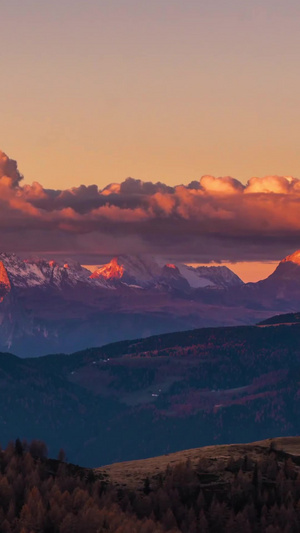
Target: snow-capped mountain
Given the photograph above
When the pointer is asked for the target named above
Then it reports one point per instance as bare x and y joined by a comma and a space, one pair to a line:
148, 272
214, 277
37, 272
122, 271
131, 270
48, 306
217, 276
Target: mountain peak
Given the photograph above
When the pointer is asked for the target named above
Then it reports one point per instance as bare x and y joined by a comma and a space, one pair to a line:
293, 258
112, 270
146, 272
38, 272
4, 281
171, 270
287, 272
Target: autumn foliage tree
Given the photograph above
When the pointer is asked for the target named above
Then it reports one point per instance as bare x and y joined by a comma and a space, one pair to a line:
39, 495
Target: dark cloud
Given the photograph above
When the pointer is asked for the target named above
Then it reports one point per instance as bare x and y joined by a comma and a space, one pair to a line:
210, 219
9, 170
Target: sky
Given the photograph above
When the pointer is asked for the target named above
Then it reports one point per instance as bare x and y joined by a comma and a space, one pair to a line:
95, 91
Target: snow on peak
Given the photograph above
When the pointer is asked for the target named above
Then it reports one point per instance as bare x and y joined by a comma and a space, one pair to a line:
130, 269
137, 271
202, 277
145, 271
112, 270
37, 272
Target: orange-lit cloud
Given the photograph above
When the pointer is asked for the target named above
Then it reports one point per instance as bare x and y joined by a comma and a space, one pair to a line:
210, 219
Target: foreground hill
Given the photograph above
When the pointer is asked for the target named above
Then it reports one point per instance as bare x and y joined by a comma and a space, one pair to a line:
132, 474
137, 399
250, 488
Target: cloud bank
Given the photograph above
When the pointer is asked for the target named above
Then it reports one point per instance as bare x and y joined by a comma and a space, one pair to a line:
210, 219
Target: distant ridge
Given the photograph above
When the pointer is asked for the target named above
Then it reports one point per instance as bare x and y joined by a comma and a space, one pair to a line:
280, 320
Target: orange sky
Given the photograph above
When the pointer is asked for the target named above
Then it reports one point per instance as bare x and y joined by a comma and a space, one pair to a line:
252, 270
95, 91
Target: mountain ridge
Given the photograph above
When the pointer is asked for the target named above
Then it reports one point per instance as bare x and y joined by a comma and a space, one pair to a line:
48, 306
145, 272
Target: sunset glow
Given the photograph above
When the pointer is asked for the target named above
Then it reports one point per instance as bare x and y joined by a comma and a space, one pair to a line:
111, 271
150, 266
212, 219
251, 271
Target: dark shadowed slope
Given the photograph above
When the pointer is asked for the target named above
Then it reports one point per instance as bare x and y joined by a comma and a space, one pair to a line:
147, 397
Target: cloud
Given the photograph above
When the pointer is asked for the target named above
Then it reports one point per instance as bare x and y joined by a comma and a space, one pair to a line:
209, 219
9, 171
269, 184
225, 185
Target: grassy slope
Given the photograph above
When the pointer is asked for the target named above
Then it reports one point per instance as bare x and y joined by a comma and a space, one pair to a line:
132, 474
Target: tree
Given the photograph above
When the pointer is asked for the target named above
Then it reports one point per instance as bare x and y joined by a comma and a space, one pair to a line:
19, 447
38, 449
203, 524
70, 524
169, 520
146, 485
61, 456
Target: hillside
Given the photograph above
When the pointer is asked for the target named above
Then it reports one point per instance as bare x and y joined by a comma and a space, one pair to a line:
132, 474
248, 488
137, 399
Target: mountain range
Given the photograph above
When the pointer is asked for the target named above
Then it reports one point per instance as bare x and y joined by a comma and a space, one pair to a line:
48, 306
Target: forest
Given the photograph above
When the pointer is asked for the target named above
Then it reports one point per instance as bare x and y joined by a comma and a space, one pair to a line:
38, 494
161, 394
